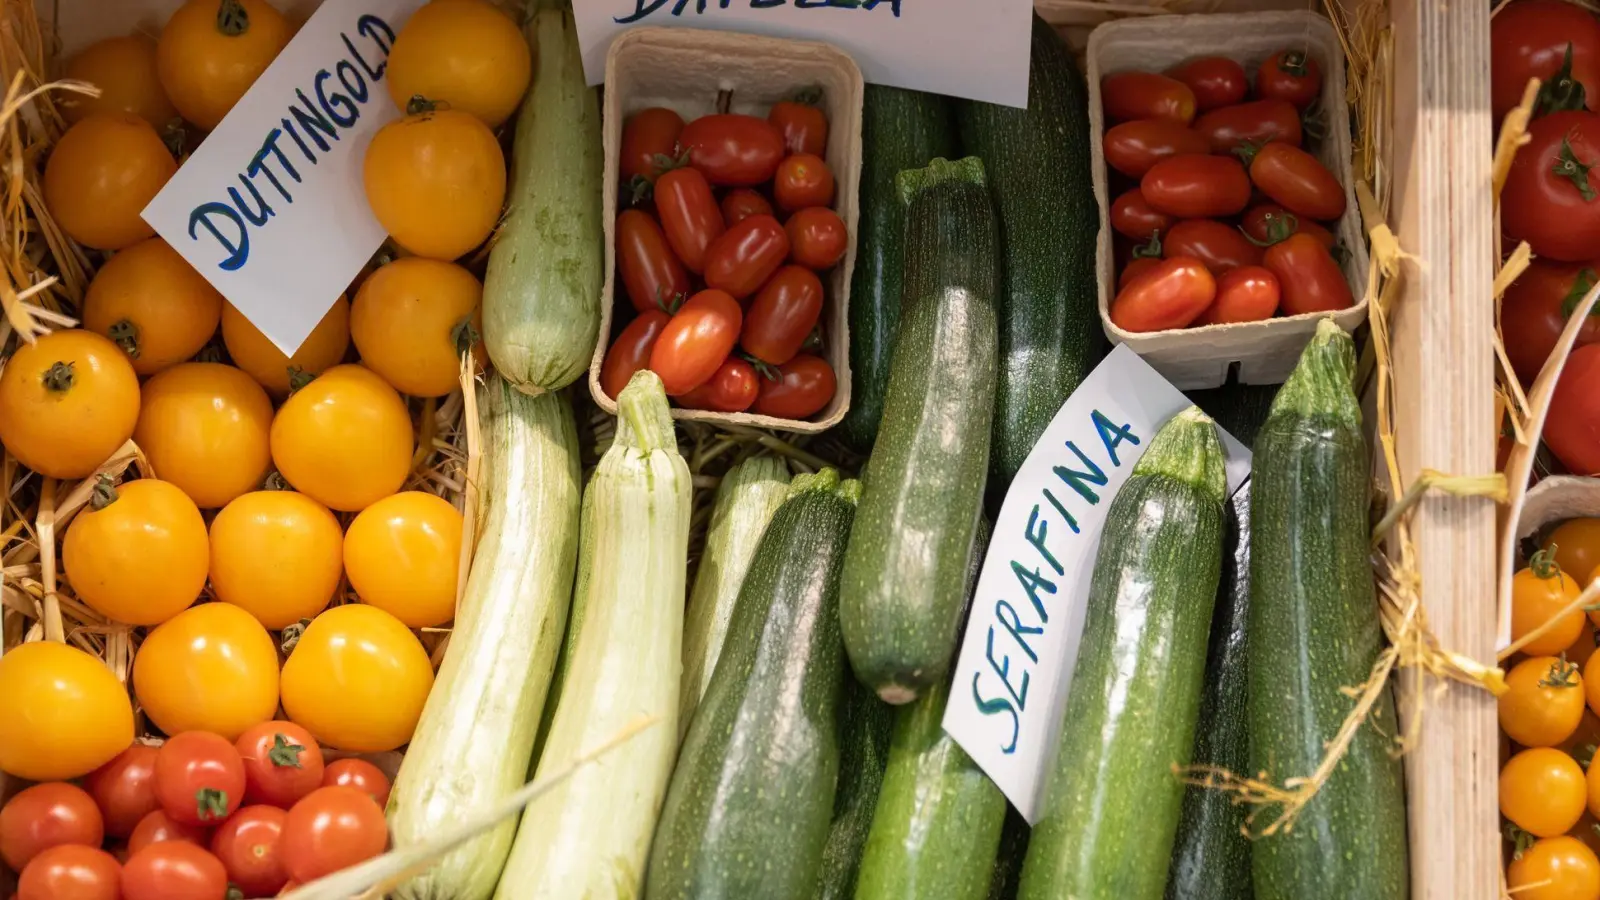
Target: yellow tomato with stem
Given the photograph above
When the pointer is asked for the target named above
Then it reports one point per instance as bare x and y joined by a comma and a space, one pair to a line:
1556, 868
463, 53
403, 554
1543, 791
1544, 701
1540, 593
344, 439
357, 679
436, 180
211, 668
138, 554
276, 555
67, 402
253, 352
412, 320
211, 51
205, 427
102, 174
124, 69
153, 305
62, 713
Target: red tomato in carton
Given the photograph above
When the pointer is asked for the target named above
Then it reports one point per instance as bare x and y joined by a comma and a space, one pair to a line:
1215, 80
360, 774
1290, 75
746, 255
125, 789
804, 386
1245, 294
71, 872
817, 238
803, 125
1132, 216
732, 389
1297, 180
696, 341
648, 137
1550, 199
1269, 223
651, 273
199, 778
630, 352
282, 763
1135, 268
1127, 96
1531, 39
1309, 279
803, 180
741, 204
1220, 247
1572, 430
1172, 294
1133, 147
1197, 187
689, 215
249, 846
1536, 309
44, 816
733, 150
782, 315
1231, 127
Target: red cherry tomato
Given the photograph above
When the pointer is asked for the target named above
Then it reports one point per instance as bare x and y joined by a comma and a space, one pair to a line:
803, 180
630, 352
1133, 147
1535, 311
1297, 180
1529, 39
741, 204
71, 872
1132, 216
1269, 223
804, 127
651, 273
125, 789
359, 774
1197, 187
781, 317
733, 150
689, 215
331, 829
1231, 127
249, 846
174, 871
1127, 96
746, 255
1220, 247
1171, 295
647, 135
732, 389
199, 778
44, 816
1549, 199
282, 763
1215, 80
804, 386
1136, 268
696, 341
817, 238
158, 827
1309, 279
1245, 294
1572, 430
1290, 75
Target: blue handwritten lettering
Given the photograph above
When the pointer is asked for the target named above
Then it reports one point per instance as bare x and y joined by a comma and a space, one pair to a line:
344, 121
1113, 435
1002, 668
1015, 626
313, 120
1036, 538
644, 8
1071, 522
993, 707
347, 71
238, 251
1076, 479
1032, 581
258, 164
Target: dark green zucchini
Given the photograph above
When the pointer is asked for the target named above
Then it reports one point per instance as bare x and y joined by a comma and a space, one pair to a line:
1314, 631
863, 754
1038, 164
1111, 807
900, 130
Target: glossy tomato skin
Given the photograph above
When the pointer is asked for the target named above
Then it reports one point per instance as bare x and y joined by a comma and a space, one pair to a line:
331, 829
345, 439
781, 317
1132, 216
433, 210
733, 150
732, 389
630, 352
1263, 221
249, 846
276, 555
741, 204
689, 215
1529, 39
403, 556
1554, 868
1215, 80
199, 778
173, 870
67, 402
282, 763
206, 428
1547, 209
1127, 96
44, 816
804, 127
1135, 268
818, 238
746, 255
1257, 122
124, 789
1221, 247
696, 341
1534, 313
1308, 276
1290, 75
141, 559
651, 272
358, 774
1245, 294
71, 872
1133, 147
1197, 187
157, 827
211, 667
1298, 181
804, 386
1171, 295
357, 679
803, 180
1572, 430
647, 134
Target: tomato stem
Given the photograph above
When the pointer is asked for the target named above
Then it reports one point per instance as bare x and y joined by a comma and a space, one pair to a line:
811, 96
1561, 92
211, 352
125, 334
1293, 62
59, 378
1246, 151
211, 805
289, 638
232, 18
1568, 166
1151, 249
1584, 756
1544, 565
764, 369
1561, 674
419, 105
275, 482
724, 102
1581, 285
464, 335
299, 378
103, 494
283, 754
1520, 840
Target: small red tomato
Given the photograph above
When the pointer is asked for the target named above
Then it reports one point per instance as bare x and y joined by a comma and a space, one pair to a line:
1171, 295
282, 763
803, 180
804, 386
746, 255
803, 125
1132, 216
71, 872
1290, 75
1269, 223
651, 272
817, 238
360, 774
1308, 277
732, 389
1133, 147
1297, 180
1531, 39
1135, 268
647, 135
1536, 309
174, 871
689, 215
733, 150
1245, 294
1231, 127
741, 204
696, 341
333, 828
1551, 199
158, 827
1197, 187
1572, 431
1216, 81
1220, 247
125, 789
1127, 96
630, 352
782, 315
249, 847
44, 816
199, 778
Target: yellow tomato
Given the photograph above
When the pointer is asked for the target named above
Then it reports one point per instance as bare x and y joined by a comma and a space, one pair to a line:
62, 713
211, 51
276, 554
344, 439
153, 304
1543, 703
139, 553
1576, 546
67, 402
205, 428
1539, 593
357, 680
124, 69
1543, 791
413, 319
254, 353
1556, 868
402, 555
209, 668
101, 175
464, 53
436, 181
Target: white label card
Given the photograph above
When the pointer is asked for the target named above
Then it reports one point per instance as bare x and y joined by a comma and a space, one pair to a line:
976, 49
271, 208
1016, 663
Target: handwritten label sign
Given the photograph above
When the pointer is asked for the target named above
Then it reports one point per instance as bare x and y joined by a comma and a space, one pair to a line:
977, 50
271, 208
1016, 663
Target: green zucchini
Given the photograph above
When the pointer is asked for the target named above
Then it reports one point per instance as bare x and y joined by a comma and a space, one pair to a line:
866, 726
747, 812
1038, 164
1314, 631
1111, 806
900, 130
1238, 409
903, 588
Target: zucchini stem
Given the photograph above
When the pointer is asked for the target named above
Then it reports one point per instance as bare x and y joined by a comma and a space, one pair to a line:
644, 422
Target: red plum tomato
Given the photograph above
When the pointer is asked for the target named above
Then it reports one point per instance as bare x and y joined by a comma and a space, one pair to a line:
696, 340
1245, 294
733, 150
1133, 147
1170, 295
1197, 187
630, 352
1258, 122
781, 316
803, 387
651, 273
817, 238
1215, 80
1128, 96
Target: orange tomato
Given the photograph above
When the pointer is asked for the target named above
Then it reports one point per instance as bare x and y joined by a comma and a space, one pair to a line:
403, 554
124, 69
344, 439
464, 53
1556, 868
412, 320
276, 554
153, 304
1542, 791
1591, 682
1575, 544
436, 181
101, 175
205, 428
211, 51
138, 554
1544, 701
357, 680
67, 402
1539, 593
258, 356
62, 713
209, 668
1583, 647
